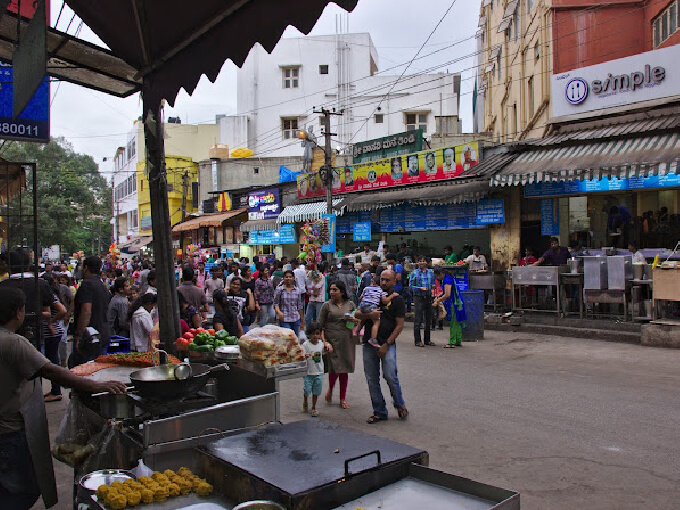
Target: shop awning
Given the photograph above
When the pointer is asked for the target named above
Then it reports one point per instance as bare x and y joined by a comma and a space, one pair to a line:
259, 225
207, 220
452, 193
136, 244
309, 211
489, 166
621, 158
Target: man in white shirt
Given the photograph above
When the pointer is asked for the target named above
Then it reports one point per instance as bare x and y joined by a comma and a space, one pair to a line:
300, 278
476, 261
638, 258
367, 254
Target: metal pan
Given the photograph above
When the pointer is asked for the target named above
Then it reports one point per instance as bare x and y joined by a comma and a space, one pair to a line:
160, 382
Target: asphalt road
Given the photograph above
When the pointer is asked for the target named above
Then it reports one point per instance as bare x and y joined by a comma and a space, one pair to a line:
569, 423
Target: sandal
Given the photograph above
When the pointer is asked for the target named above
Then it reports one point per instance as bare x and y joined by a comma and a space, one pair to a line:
344, 404
449, 346
315, 413
52, 398
375, 419
305, 407
402, 412
431, 344
329, 397
420, 344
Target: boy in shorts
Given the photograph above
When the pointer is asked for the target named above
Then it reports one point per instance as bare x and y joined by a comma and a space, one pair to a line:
313, 381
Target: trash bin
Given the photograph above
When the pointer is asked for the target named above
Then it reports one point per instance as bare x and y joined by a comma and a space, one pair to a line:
473, 300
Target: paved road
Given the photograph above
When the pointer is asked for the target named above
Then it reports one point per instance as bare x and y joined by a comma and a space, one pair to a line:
569, 423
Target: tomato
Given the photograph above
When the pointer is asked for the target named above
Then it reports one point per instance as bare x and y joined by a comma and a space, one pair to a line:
193, 331
211, 332
188, 336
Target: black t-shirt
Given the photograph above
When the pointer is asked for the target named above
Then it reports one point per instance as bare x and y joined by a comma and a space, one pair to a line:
241, 301
228, 321
43, 298
93, 290
388, 319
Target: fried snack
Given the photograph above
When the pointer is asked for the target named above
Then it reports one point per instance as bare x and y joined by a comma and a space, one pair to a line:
204, 489
134, 498
102, 491
144, 479
160, 493
117, 485
195, 482
169, 473
115, 500
184, 472
185, 486
156, 474
176, 479
147, 496
173, 490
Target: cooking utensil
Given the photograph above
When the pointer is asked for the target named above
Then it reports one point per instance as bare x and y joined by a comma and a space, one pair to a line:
183, 371
116, 406
160, 382
259, 505
227, 353
93, 480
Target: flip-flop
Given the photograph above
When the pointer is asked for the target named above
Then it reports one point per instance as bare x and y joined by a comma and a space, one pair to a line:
375, 419
344, 404
315, 413
420, 345
328, 397
449, 346
53, 398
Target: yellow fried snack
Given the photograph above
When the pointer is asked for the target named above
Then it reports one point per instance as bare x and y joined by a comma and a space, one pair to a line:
196, 482
147, 496
184, 471
204, 489
116, 485
134, 498
169, 473
173, 490
185, 486
116, 501
160, 493
102, 491
144, 479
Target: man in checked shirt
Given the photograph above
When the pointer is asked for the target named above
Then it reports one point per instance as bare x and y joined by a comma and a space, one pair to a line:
288, 304
422, 281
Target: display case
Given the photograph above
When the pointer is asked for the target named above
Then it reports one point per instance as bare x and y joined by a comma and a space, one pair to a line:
619, 272
594, 273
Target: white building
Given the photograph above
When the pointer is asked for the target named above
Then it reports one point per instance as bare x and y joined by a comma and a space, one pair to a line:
278, 92
125, 197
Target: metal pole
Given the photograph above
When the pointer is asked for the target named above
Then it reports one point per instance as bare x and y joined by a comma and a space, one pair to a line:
38, 328
327, 160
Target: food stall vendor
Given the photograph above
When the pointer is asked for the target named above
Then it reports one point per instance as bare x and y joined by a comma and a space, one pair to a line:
476, 261
556, 256
25, 460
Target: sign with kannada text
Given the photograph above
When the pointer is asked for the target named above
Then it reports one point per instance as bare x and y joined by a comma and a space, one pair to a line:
361, 231
285, 235
329, 219
550, 217
417, 168
490, 211
388, 146
264, 204
561, 188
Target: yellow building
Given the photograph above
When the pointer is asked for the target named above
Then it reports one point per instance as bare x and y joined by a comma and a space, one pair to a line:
515, 67
182, 174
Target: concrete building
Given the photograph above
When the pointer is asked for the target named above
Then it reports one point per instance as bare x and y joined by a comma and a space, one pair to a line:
278, 92
523, 43
185, 146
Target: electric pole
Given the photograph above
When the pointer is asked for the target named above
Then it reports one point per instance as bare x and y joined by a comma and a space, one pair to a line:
326, 170
185, 190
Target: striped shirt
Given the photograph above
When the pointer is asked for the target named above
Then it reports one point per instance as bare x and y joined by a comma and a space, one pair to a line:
290, 302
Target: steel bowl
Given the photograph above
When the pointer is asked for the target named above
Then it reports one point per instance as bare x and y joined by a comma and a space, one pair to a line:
259, 505
93, 480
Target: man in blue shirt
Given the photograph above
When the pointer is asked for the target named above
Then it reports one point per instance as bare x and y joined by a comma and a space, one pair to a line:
399, 287
422, 282
618, 224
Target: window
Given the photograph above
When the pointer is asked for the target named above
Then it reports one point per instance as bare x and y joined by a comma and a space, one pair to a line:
514, 120
256, 170
291, 77
515, 23
537, 51
530, 5
416, 121
530, 94
378, 118
289, 128
323, 69
498, 63
665, 24
135, 218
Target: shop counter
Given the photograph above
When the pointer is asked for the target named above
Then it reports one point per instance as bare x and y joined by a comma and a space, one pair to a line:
533, 277
492, 281
571, 280
666, 287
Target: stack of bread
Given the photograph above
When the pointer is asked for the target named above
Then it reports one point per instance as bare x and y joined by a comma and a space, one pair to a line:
271, 346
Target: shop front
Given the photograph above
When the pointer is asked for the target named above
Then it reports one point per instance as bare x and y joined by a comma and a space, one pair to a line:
267, 238
297, 215
215, 234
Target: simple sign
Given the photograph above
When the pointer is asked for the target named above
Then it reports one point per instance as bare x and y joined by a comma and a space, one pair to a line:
52, 253
550, 217
331, 220
395, 145
145, 223
345, 223
285, 235
490, 211
264, 204
641, 77
362, 231
405, 218
460, 277
33, 124
561, 188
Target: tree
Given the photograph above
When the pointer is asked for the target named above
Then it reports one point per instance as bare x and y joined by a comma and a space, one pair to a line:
73, 197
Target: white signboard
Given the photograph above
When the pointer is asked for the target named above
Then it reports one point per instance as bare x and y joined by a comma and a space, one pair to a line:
650, 75
51, 253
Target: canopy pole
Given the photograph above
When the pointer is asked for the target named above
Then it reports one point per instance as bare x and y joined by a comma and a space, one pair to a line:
168, 305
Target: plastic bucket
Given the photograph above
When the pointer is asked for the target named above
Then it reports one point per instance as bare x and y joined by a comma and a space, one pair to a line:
473, 300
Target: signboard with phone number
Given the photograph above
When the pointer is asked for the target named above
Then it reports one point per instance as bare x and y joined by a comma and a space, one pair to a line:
34, 122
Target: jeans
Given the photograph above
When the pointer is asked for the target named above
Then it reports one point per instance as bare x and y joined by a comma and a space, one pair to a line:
313, 311
52, 353
266, 313
295, 326
18, 484
372, 363
406, 294
423, 318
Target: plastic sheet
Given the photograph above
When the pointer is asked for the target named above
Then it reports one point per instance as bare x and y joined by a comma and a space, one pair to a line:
79, 433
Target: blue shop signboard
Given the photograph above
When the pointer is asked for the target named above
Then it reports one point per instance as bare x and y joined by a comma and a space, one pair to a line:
345, 223
330, 247
264, 204
550, 217
490, 211
285, 235
430, 217
561, 188
362, 231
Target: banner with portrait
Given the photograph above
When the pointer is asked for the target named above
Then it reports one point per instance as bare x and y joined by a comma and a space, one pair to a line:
417, 168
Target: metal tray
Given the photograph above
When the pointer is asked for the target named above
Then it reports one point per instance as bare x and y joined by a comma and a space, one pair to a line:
190, 501
286, 371
105, 477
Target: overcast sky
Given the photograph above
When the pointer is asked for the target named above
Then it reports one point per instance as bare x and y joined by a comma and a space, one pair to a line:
96, 123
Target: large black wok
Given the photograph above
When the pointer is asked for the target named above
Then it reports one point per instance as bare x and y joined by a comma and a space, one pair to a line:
160, 382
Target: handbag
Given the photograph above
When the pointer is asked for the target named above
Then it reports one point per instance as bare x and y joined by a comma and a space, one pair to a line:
441, 312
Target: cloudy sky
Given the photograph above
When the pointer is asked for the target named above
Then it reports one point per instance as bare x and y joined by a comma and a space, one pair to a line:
96, 123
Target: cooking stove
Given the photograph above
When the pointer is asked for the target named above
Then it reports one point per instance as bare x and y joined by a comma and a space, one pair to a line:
153, 408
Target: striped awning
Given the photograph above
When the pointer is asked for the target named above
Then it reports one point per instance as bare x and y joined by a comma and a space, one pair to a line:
259, 225
207, 220
621, 158
309, 211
